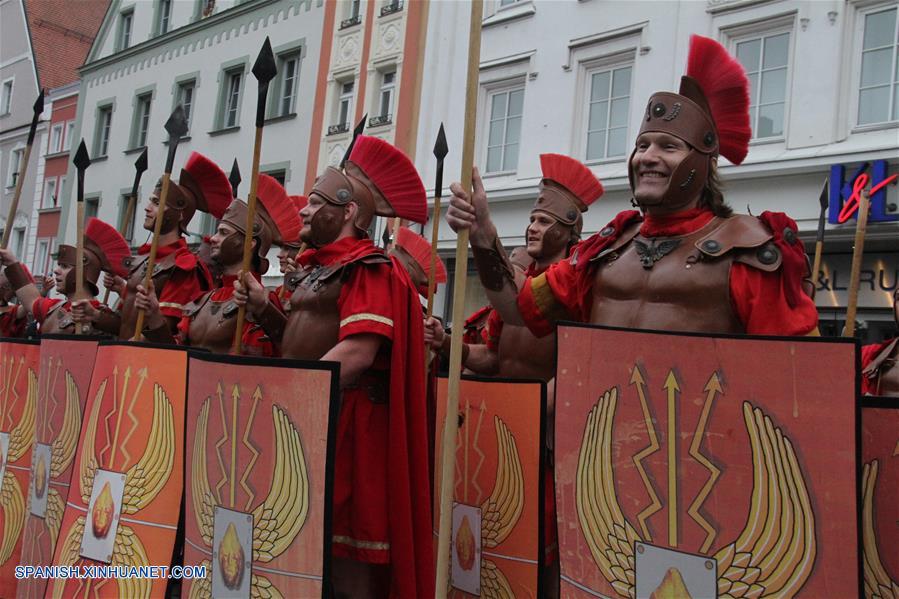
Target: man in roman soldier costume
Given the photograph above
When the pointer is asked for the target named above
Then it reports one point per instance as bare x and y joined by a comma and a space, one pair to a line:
352, 304
179, 277
414, 252
880, 363
287, 253
105, 250
686, 263
566, 191
13, 317
209, 321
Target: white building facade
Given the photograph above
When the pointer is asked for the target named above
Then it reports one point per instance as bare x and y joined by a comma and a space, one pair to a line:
150, 56
573, 77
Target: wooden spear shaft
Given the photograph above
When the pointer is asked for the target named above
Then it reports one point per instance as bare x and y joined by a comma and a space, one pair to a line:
857, 254
79, 258
154, 245
248, 238
450, 424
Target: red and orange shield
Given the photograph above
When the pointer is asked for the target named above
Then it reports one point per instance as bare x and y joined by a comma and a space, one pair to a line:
19, 362
66, 364
124, 509
258, 499
694, 465
498, 496
880, 495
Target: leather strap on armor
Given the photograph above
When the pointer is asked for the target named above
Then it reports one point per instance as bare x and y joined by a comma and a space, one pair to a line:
160, 334
494, 268
272, 321
18, 276
108, 321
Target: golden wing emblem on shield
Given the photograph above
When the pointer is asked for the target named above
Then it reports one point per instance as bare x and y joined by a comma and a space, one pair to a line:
502, 510
63, 448
878, 584
11, 499
766, 559
143, 482
281, 515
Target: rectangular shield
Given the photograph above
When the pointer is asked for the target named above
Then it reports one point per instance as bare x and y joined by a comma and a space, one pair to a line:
498, 496
19, 364
688, 462
129, 463
66, 364
880, 495
260, 441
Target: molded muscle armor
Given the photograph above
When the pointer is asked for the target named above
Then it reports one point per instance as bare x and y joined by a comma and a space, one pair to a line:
212, 325
162, 272
59, 321
687, 288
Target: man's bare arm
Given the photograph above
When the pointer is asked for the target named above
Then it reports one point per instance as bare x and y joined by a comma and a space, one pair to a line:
494, 269
356, 354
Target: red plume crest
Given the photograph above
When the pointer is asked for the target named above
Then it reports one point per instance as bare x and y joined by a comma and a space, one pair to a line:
420, 250
111, 244
213, 182
573, 175
279, 207
394, 175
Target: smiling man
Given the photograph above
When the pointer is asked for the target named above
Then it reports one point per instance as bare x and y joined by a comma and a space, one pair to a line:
684, 262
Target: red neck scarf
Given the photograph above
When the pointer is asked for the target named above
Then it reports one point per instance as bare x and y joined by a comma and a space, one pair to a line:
678, 223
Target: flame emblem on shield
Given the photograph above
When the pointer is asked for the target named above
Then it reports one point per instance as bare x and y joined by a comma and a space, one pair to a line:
104, 508
231, 558
672, 587
465, 545
40, 474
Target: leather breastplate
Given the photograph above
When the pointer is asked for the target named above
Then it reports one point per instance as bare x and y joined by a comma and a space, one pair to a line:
212, 324
524, 356
162, 272
59, 322
313, 323
885, 370
678, 283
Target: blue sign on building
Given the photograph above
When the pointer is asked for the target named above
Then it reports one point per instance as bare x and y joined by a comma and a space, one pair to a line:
844, 193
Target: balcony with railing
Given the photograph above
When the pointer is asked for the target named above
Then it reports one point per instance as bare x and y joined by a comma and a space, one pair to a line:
352, 21
391, 7
383, 119
338, 129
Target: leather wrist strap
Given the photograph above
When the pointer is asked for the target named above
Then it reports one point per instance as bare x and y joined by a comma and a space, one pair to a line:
272, 321
160, 334
494, 268
18, 276
108, 322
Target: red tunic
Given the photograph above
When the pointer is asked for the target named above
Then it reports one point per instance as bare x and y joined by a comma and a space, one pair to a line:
765, 302
381, 483
253, 335
12, 326
189, 280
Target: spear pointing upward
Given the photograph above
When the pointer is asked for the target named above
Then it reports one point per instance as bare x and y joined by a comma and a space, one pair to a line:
81, 162
140, 165
176, 127
440, 152
234, 178
450, 425
23, 169
819, 242
264, 70
357, 131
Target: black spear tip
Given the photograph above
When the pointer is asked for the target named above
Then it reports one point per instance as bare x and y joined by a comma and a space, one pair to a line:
440, 147
360, 126
140, 165
39, 103
265, 69
82, 160
234, 177
824, 198
176, 126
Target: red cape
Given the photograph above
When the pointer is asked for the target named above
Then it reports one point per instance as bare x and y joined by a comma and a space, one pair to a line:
412, 567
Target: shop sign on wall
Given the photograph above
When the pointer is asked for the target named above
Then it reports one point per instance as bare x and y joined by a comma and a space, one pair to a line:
845, 193
877, 282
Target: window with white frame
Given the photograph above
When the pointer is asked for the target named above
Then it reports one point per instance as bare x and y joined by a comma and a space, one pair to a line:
353, 9
765, 58
344, 107
507, 2
387, 93
15, 164
607, 111
55, 139
50, 195
70, 132
141, 120
104, 125
41, 264
6, 97
163, 16
878, 92
91, 207
504, 129
186, 98
126, 20
231, 113
288, 75
18, 241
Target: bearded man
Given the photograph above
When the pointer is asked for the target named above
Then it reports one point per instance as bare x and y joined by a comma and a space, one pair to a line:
352, 304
